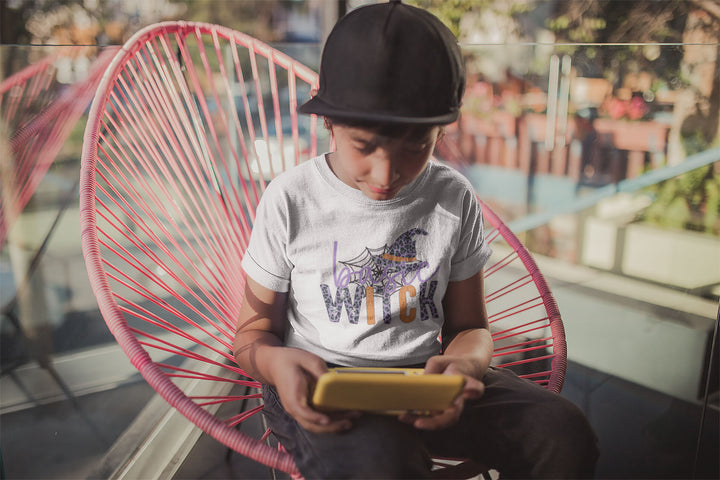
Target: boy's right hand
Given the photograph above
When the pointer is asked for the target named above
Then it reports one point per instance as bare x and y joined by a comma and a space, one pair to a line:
294, 373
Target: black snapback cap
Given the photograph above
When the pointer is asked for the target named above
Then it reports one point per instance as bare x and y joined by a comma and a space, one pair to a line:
390, 63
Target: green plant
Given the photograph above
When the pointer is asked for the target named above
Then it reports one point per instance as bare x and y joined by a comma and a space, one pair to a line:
690, 201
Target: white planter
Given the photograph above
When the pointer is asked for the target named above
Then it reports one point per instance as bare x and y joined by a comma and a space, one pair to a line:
687, 260
680, 259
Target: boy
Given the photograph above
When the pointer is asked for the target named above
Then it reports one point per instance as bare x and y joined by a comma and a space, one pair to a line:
367, 255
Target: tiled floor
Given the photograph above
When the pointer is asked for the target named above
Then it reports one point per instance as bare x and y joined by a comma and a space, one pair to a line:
642, 434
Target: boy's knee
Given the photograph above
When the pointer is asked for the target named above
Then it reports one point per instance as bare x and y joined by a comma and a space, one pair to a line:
572, 426
569, 446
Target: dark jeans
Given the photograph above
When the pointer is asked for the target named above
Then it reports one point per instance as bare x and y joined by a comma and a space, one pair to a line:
516, 428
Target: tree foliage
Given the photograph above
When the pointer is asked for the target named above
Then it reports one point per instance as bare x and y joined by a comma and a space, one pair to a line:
254, 17
451, 12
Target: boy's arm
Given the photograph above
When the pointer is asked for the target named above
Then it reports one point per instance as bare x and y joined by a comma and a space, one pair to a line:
258, 349
466, 333
467, 347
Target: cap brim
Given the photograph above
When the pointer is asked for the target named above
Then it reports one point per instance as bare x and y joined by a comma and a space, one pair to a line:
318, 106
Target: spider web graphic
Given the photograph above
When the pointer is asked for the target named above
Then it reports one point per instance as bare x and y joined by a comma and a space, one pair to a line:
384, 273
367, 261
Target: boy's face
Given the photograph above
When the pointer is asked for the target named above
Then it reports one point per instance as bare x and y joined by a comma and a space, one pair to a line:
381, 164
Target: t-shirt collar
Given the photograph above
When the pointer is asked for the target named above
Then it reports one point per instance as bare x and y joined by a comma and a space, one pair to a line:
356, 195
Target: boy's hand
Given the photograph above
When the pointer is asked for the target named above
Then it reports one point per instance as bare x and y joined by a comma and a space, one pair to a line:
294, 373
474, 388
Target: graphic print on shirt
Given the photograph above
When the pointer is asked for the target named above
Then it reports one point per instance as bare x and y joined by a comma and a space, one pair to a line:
391, 274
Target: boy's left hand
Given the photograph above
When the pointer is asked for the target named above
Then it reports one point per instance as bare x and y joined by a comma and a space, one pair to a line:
474, 388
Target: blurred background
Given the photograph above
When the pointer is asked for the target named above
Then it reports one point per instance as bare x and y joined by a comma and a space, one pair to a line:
592, 127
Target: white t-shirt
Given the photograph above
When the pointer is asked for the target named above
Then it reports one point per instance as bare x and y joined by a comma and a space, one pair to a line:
366, 278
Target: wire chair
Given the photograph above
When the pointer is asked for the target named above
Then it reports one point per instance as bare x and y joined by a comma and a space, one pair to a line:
25, 93
39, 115
187, 127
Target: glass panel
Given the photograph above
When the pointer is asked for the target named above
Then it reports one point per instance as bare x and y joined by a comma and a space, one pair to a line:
554, 136
596, 140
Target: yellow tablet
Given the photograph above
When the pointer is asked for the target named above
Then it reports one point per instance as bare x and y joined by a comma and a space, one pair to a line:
385, 390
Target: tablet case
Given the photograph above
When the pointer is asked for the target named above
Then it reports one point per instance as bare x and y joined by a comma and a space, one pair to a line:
385, 390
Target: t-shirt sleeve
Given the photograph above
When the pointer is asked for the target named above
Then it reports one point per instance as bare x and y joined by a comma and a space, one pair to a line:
265, 259
472, 250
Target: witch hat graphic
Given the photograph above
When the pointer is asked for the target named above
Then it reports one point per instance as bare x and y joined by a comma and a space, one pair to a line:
400, 257
403, 248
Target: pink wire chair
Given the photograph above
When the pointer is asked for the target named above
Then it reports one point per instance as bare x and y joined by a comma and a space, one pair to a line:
22, 96
189, 123
26, 92
39, 115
